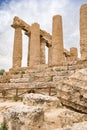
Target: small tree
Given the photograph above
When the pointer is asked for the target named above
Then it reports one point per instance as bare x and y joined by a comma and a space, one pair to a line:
2, 71
4, 125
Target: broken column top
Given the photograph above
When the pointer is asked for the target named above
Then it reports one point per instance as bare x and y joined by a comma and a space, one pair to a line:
84, 6
57, 16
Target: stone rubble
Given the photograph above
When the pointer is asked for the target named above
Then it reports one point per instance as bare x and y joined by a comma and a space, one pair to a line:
72, 92
76, 126
24, 117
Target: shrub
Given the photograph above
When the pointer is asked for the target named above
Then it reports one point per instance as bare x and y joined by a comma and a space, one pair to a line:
22, 72
3, 126
15, 98
2, 71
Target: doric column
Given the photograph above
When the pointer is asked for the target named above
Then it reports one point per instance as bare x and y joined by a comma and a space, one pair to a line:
49, 55
68, 59
57, 41
28, 57
43, 44
17, 49
83, 31
34, 45
73, 54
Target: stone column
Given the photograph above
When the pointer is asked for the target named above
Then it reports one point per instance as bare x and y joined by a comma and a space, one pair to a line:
83, 31
29, 39
17, 49
73, 54
35, 45
67, 58
43, 44
49, 55
57, 41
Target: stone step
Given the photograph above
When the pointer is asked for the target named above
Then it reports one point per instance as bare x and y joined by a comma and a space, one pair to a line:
27, 85
31, 79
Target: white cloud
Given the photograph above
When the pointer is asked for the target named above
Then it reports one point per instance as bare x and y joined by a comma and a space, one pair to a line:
40, 11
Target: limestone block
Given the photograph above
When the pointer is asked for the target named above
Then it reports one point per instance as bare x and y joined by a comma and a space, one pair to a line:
26, 75
58, 78
15, 76
73, 91
61, 68
63, 117
19, 80
40, 100
73, 54
24, 117
76, 126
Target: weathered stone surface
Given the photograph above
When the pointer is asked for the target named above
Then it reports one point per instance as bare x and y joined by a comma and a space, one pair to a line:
57, 41
27, 85
63, 117
76, 126
41, 100
20, 80
28, 57
34, 45
83, 31
50, 56
24, 117
73, 54
67, 55
43, 44
58, 78
73, 91
17, 50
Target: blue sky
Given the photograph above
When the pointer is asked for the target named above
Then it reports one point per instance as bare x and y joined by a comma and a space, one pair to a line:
40, 11
4, 1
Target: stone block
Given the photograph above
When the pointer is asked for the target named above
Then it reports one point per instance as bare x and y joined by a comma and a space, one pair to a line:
24, 117
40, 100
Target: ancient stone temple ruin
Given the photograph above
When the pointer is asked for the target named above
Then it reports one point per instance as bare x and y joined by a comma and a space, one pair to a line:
62, 81
38, 39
